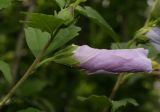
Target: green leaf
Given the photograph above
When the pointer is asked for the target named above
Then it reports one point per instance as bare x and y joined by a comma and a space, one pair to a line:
5, 69
63, 36
30, 109
32, 87
5, 3
61, 3
122, 103
96, 17
44, 22
36, 39
98, 103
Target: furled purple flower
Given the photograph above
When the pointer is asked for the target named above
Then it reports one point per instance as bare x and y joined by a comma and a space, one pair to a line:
114, 61
154, 36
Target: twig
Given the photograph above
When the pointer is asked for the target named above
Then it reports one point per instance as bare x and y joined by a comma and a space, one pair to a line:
25, 76
19, 45
30, 69
150, 14
116, 86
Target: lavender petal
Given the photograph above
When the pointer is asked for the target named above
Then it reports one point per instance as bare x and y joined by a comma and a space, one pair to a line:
113, 61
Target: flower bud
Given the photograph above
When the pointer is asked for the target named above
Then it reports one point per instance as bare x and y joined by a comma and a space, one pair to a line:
154, 36
67, 14
114, 61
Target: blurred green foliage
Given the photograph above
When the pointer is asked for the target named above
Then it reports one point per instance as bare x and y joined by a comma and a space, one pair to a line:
56, 88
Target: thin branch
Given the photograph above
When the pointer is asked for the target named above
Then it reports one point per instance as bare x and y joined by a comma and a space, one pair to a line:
25, 76
150, 14
116, 86
19, 45
30, 69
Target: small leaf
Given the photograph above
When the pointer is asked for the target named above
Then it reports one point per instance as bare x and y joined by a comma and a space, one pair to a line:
63, 36
61, 3
36, 39
5, 69
5, 3
44, 22
96, 17
32, 87
97, 102
30, 110
122, 103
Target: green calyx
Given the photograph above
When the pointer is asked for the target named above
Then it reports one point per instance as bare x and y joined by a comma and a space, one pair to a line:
64, 56
155, 65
